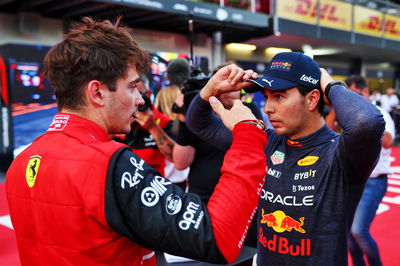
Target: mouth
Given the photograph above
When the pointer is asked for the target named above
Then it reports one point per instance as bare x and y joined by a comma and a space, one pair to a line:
275, 123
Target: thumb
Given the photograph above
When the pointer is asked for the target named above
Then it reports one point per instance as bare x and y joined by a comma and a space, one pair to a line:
216, 105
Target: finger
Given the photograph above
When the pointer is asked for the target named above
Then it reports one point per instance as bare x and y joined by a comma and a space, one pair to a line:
248, 74
234, 70
238, 77
216, 105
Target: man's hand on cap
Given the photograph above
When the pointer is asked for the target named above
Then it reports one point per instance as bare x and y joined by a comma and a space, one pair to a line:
229, 78
237, 113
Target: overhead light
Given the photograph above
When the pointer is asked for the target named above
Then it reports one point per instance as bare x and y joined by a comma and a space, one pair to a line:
276, 50
241, 46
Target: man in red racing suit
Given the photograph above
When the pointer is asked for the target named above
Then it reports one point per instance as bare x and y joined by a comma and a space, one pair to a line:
78, 198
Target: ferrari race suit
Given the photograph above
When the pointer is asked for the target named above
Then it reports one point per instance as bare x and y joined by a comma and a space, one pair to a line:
313, 183
77, 198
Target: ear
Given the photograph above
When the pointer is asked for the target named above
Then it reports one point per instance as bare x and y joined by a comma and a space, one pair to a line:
312, 99
95, 92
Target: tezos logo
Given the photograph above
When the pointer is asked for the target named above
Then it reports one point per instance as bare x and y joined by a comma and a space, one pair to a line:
309, 79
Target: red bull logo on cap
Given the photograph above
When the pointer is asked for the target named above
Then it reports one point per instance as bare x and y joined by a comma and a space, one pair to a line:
281, 65
280, 222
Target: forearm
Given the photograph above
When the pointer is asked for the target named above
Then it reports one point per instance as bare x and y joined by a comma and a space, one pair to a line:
243, 174
362, 126
164, 143
201, 120
183, 156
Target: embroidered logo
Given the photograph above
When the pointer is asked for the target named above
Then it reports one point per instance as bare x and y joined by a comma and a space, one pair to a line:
308, 160
278, 157
32, 170
59, 123
281, 65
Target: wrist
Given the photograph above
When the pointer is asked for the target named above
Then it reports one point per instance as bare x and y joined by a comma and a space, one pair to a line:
256, 122
330, 85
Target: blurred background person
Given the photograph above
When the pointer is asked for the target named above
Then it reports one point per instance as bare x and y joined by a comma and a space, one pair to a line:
361, 242
389, 100
164, 101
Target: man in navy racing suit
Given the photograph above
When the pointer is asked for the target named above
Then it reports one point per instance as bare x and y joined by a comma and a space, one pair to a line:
315, 177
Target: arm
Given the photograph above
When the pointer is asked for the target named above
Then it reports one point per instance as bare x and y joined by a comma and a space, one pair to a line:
178, 222
200, 118
362, 125
183, 156
164, 143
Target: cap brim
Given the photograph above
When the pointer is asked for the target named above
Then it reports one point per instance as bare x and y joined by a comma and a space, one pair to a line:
271, 83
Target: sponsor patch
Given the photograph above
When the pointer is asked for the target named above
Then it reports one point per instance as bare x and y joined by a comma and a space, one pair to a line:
189, 217
283, 245
278, 157
281, 65
151, 195
173, 204
305, 175
274, 173
281, 222
59, 123
133, 179
308, 160
288, 200
32, 170
309, 79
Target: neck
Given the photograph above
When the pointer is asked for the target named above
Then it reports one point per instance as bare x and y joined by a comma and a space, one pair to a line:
91, 115
311, 126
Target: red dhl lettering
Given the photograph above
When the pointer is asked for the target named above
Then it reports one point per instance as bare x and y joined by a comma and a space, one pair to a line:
282, 245
375, 23
306, 8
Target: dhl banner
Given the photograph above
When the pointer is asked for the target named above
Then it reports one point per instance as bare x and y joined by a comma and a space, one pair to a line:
371, 22
368, 21
333, 14
392, 27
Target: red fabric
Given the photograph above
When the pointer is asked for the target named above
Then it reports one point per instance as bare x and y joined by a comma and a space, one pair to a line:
236, 192
60, 220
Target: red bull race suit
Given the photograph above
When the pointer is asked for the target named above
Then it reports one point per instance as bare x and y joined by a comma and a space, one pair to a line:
77, 198
313, 183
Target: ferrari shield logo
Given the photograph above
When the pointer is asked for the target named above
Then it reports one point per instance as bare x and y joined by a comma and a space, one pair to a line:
32, 170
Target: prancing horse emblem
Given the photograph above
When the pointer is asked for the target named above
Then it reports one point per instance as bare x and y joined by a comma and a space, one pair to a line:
32, 170
269, 82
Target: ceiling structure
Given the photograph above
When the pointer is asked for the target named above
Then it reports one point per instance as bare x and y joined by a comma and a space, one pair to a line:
148, 14
160, 15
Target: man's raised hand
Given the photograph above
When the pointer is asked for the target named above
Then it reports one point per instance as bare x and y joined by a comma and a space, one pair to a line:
228, 78
237, 113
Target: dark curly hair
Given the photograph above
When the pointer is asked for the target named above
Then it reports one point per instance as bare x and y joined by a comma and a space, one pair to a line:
92, 50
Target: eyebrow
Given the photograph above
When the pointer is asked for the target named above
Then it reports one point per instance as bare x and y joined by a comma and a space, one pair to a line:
134, 81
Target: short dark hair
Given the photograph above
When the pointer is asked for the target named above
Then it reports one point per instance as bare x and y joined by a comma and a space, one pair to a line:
358, 81
92, 50
303, 90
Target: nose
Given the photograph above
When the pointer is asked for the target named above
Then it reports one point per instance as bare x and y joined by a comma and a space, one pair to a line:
268, 108
138, 99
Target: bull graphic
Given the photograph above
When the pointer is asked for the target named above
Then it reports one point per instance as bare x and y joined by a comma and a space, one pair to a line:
269, 219
289, 223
